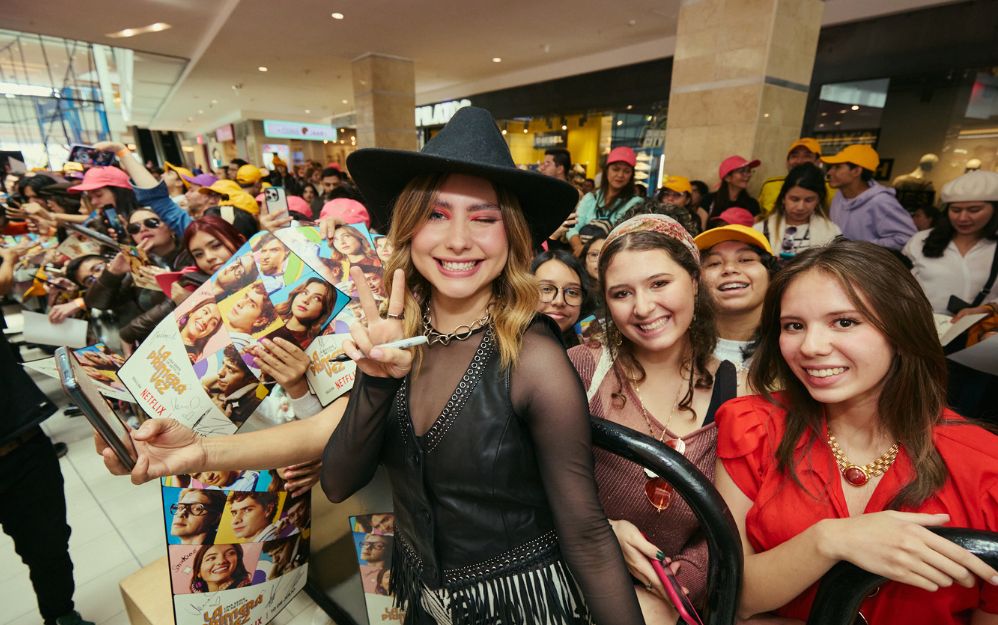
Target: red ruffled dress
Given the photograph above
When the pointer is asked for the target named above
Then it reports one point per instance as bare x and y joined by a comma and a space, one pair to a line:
749, 431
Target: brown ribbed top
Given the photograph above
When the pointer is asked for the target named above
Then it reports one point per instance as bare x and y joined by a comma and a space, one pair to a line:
621, 483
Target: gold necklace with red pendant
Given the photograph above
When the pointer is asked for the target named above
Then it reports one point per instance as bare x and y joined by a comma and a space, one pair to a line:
856, 475
658, 491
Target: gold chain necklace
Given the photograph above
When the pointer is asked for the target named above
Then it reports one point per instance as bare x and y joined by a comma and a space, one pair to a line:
676, 443
856, 475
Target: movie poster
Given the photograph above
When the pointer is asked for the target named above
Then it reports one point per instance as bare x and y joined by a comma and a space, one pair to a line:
238, 545
351, 246
199, 365
374, 536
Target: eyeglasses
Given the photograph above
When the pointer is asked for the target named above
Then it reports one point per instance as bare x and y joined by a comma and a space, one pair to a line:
152, 223
658, 491
374, 546
572, 294
195, 509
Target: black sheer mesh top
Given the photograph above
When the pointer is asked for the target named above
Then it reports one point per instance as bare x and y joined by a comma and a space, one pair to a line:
547, 400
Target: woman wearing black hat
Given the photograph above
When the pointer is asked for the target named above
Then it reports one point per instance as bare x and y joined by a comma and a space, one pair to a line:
497, 512
496, 507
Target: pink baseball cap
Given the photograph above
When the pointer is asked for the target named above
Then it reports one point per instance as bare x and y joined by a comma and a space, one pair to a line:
349, 211
100, 177
622, 154
295, 205
737, 216
300, 206
732, 163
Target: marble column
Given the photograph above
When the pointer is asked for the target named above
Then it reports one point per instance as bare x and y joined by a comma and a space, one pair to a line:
740, 79
384, 93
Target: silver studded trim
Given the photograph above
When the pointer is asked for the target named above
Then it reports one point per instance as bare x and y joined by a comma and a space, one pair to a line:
469, 381
540, 551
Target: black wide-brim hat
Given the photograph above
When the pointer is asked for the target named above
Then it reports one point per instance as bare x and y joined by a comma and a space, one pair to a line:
469, 144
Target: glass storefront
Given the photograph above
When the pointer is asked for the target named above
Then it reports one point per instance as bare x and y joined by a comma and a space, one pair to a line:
928, 129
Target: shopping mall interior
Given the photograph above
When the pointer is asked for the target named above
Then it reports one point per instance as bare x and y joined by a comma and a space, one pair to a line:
681, 82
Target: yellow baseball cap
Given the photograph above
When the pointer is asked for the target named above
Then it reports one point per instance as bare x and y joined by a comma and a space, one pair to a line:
679, 184
248, 174
222, 187
710, 238
857, 154
805, 142
183, 172
243, 201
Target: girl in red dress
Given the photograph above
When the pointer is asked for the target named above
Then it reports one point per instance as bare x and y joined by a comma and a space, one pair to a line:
857, 455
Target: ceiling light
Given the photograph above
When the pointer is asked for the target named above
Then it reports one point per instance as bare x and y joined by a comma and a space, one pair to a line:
131, 32
564, 126
497, 59
262, 68
824, 113
336, 16
855, 107
325, 141
525, 130
214, 101
13, 88
842, 111
630, 106
838, 123
620, 122
503, 130
307, 111
200, 112
346, 101
765, 114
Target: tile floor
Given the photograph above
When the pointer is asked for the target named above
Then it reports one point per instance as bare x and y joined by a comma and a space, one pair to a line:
117, 529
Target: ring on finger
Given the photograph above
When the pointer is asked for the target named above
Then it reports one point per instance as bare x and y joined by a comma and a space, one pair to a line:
397, 317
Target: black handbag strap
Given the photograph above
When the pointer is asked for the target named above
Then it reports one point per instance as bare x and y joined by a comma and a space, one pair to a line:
990, 283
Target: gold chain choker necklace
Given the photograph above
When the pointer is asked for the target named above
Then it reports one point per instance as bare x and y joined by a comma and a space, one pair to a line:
856, 475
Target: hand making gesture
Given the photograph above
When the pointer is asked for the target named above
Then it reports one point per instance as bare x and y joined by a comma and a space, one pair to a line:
379, 362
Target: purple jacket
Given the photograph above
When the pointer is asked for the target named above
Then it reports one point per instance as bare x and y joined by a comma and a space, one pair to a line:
874, 215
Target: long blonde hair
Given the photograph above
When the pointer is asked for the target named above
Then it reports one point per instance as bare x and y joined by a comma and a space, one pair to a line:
514, 300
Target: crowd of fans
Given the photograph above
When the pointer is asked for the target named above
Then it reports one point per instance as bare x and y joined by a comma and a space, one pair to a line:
755, 295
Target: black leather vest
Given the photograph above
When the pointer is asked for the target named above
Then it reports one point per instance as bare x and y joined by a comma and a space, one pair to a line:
469, 501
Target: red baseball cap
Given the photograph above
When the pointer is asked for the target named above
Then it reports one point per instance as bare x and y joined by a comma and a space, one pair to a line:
623, 154
100, 177
732, 163
347, 210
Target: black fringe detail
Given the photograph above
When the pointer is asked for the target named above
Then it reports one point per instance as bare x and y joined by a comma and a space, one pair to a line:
499, 591
405, 584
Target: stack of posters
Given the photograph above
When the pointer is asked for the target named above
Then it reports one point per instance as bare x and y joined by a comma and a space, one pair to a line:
238, 543
373, 536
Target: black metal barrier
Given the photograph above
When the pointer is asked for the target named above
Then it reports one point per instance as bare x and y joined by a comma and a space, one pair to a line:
845, 586
724, 566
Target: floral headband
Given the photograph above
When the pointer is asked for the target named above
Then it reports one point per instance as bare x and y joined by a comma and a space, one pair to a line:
655, 223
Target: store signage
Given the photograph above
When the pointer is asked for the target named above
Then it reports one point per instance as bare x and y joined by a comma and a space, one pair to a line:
438, 114
546, 140
654, 138
225, 133
298, 130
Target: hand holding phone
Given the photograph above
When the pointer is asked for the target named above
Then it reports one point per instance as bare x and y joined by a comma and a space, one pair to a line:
674, 590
